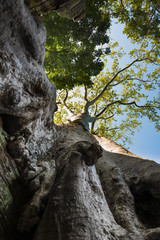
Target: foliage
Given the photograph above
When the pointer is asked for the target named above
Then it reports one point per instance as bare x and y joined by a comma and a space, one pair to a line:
72, 56
120, 97
141, 18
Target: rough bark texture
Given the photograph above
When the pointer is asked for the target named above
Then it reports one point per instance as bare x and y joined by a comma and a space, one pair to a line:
72, 9
27, 103
61, 183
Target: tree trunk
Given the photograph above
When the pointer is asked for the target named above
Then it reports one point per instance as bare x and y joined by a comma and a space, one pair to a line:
62, 182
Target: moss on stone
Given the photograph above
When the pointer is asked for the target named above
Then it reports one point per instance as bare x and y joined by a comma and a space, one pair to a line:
2, 135
6, 199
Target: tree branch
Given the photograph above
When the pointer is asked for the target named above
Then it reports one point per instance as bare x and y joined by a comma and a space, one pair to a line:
123, 5
110, 129
123, 103
106, 117
63, 102
93, 123
92, 127
85, 93
108, 84
157, 10
130, 79
66, 96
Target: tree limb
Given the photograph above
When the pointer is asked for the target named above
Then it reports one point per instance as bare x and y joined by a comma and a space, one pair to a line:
105, 118
108, 84
63, 102
157, 10
130, 79
92, 127
110, 129
85, 93
123, 5
93, 123
123, 103
66, 96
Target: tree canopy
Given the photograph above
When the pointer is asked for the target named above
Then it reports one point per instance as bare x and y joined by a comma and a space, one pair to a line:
141, 18
114, 98
72, 56
118, 100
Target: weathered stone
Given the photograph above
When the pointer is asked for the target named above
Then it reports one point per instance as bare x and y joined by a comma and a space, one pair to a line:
27, 105
72, 9
10, 191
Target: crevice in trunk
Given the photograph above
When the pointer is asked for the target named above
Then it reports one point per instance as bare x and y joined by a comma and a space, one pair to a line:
11, 124
147, 207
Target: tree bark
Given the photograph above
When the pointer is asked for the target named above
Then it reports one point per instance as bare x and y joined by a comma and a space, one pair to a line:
61, 182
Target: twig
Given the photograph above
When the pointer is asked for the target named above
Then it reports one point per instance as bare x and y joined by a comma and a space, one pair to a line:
122, 103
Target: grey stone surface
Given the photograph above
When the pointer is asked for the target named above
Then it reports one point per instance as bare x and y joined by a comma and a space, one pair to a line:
27, 98
72, 9
27, 105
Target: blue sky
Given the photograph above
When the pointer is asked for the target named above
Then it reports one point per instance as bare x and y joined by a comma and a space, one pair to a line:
146, 142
